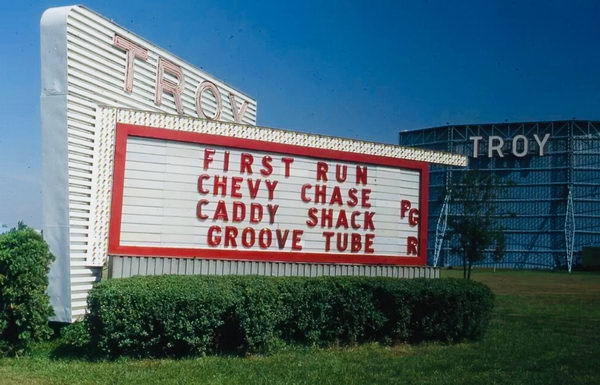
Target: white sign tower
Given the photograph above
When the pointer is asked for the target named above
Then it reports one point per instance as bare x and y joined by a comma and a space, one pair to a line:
88, 61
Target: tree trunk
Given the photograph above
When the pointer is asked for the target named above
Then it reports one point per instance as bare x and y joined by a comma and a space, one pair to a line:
464, 266
469, 270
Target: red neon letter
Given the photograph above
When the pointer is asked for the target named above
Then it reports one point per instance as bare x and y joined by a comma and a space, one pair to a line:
133, 51
165, 85
212, 88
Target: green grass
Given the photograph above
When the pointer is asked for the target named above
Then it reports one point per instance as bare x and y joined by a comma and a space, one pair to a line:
546, 330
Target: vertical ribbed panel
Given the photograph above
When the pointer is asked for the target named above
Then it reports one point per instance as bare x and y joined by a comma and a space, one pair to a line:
123, 267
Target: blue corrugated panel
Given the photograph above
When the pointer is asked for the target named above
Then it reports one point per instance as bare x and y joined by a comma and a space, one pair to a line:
537, 235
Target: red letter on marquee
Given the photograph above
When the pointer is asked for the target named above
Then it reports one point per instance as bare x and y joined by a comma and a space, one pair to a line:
253, 187
296, 239
361, 175
201, 189
364, 201
369, 243
356, 244
413, 217
246, 161
328, 235
303, 193
235, 186
322, 168
256, 212
208, 153
213, 240
230, 234
412, 246
199, 214
239, 211
312, 217
267, 168
265, 237
221, 212
404, 207
288, 162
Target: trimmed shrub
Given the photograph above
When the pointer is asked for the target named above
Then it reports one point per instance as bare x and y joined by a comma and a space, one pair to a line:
24, 305
157, 316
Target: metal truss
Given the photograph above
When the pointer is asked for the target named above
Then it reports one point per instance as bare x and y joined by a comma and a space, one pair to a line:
442, 223
440, 230
569, 231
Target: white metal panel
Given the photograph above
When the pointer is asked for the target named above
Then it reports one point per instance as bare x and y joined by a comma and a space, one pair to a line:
123, 267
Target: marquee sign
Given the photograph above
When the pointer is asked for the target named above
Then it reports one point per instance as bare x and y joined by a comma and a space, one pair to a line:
169, 189
209, 196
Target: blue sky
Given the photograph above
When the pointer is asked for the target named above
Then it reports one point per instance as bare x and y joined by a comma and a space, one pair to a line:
361, 69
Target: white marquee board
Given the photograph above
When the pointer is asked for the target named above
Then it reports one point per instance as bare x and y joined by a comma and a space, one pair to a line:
205, 196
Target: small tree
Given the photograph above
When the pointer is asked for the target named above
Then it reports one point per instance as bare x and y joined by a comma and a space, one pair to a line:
24, 304
474, 219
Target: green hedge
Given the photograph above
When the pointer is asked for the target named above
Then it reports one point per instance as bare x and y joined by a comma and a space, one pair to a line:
24, 305
195, 315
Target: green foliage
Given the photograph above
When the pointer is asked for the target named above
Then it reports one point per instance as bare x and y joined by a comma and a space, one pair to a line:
544, 331
76, 335
158, 316
474, 218
24, 305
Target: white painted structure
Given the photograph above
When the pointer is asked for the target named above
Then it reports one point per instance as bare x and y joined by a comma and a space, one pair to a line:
96, 75
84, 66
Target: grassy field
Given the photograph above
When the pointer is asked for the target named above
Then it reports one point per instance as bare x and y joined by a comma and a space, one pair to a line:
546, 330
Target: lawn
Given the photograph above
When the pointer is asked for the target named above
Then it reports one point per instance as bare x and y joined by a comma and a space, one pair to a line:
545, 330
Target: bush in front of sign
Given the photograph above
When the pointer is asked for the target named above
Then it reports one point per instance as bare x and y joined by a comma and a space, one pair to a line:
158, 316
449, 310
24, 305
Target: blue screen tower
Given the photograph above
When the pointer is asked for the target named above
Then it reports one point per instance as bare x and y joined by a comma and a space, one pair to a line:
554, 194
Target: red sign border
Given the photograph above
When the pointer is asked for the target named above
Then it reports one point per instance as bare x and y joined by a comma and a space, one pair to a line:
124, 131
